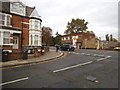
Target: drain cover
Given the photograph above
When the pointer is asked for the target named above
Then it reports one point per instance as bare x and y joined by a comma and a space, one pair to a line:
91, 78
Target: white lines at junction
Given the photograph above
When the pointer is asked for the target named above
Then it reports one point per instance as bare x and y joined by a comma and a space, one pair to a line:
82, 64
103, 58
63, 69
10, 82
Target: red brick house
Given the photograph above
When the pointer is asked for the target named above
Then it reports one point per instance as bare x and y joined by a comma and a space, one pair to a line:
15, 27
80, 40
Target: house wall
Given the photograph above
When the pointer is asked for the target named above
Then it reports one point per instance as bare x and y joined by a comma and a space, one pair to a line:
10, 45
87, 40
89, 43
16, 22
25, 32
19, 29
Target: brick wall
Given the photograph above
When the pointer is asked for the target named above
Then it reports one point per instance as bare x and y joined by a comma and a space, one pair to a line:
15, 55
25, 34
16, 21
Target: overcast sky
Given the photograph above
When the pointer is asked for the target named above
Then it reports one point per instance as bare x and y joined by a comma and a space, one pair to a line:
102, 15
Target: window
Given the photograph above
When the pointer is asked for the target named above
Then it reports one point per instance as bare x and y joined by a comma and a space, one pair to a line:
14, 7
36, 40
2, 19
31, 24
36, 24
17, 8
21, 9
8, 20
31, 37
0, 38
5, 19
6, 38
66, 38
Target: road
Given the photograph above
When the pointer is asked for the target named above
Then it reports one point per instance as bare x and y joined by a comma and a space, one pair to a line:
79, 69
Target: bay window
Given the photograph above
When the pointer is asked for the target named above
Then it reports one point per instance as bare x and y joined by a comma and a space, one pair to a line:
31, 38
36, 40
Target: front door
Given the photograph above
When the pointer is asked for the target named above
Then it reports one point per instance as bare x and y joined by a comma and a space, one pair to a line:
15, 42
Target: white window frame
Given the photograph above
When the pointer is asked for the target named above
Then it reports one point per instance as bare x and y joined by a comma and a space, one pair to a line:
36, 40
31, 39
0, 38
7, 21
7, 37
18, 8
36, 23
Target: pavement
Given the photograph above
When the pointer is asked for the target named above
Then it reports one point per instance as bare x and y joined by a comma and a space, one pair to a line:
52, 54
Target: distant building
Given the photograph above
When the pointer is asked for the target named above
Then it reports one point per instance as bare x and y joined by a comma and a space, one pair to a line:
20, 26
80, 40
107, 44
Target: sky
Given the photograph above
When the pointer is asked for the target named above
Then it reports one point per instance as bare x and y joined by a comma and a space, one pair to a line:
101, 15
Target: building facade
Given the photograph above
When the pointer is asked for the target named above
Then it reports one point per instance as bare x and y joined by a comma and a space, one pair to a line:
20, 27
35, 31
80, 40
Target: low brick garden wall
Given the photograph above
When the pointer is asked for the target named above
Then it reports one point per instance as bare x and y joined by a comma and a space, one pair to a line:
15, 54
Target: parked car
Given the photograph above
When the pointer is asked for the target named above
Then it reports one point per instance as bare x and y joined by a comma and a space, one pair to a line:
117, 48
30, 50
67, 47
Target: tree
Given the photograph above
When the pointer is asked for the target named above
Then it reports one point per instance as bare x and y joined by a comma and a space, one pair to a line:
114, 40
107, 37
47, 37
76, 26
111, 37
57, 39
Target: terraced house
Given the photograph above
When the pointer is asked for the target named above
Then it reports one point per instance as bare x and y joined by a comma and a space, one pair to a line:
20, 27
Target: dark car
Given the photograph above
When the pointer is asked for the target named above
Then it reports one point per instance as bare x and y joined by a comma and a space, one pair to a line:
67, 47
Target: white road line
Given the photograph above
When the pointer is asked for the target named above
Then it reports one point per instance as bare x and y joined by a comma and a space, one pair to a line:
63, 69
83, 53
14, 81
101, 59
88, 54
77, 53
108, 57
104, 58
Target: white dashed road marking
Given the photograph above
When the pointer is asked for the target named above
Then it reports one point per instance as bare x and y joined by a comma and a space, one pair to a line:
101, 59
86, 63
63, 69
22, 79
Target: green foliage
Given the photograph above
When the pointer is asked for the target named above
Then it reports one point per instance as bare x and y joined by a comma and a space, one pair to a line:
111, 37
107, 37
76, 26
114, 40
57, 39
